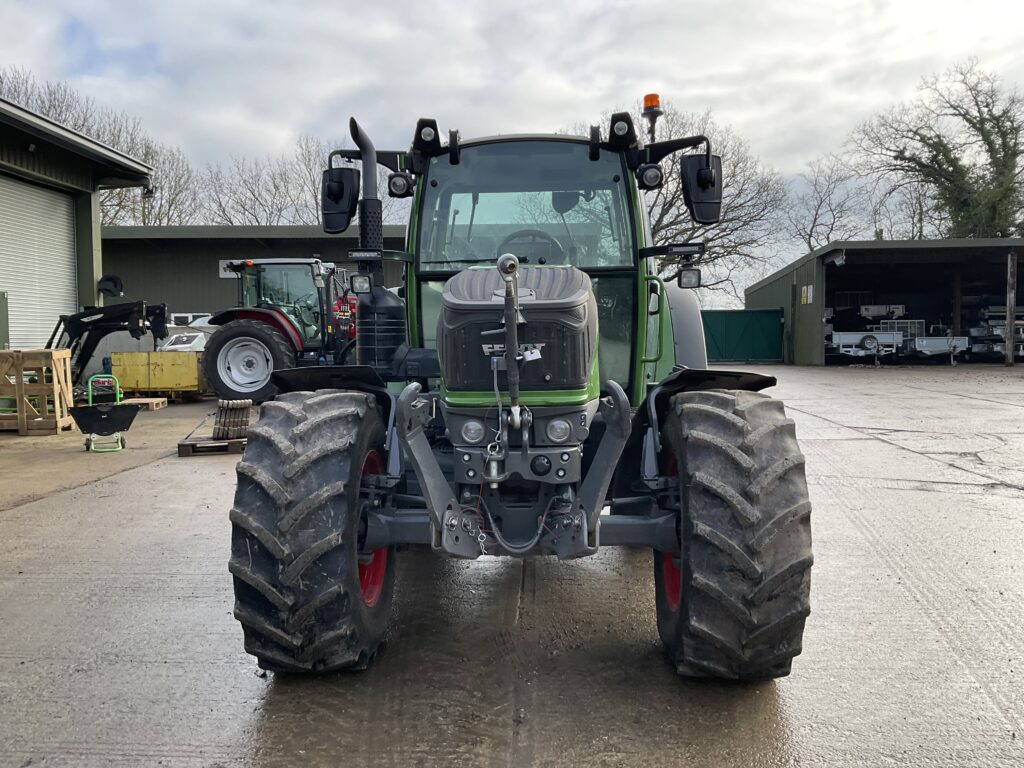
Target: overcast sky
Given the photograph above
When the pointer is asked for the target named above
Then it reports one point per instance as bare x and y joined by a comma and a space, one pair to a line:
247, 76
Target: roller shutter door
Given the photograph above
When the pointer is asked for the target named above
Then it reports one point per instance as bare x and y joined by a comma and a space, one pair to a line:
37, 259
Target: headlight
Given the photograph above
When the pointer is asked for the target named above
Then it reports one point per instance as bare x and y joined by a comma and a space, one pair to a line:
558, 430
473, 431
689, 277
400, 184
650, 176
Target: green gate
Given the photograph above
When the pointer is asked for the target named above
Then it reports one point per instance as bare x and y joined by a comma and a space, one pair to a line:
743, 335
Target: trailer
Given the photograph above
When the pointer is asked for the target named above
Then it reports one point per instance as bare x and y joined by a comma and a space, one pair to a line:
937, 345
864, 343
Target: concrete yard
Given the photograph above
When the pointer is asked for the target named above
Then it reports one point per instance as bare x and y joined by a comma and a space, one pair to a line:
118, 647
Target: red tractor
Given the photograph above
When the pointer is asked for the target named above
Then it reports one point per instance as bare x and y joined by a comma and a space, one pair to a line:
291, 313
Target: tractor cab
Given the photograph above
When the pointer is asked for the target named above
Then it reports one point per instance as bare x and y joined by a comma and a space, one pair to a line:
292, 287
545, 201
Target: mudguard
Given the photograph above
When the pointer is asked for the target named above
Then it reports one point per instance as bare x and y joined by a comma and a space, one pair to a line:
645, 435
269, 316
687, 327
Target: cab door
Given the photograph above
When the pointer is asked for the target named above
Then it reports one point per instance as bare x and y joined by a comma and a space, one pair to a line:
289, 288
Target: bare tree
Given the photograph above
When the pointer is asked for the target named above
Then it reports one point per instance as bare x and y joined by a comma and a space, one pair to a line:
310, 159
960, 140
176, 199
281, 190
257, 191
829, 203
55, 100
904, 212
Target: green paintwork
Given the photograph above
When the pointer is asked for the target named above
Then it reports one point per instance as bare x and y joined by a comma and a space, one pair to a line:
553, 397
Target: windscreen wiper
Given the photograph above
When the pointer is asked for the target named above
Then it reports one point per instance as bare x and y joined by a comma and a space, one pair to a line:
472, 215
568, 232
451, 227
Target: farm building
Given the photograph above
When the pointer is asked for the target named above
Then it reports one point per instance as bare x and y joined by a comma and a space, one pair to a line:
897, 298
50, 249
182, 266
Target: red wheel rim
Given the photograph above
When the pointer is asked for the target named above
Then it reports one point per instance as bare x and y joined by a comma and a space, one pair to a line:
371, 574
671, 576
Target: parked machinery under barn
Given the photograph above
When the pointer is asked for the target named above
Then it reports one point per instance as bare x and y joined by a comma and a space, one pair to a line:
988, 337
882, 330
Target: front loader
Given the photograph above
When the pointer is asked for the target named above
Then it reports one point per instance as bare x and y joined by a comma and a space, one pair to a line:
534, 388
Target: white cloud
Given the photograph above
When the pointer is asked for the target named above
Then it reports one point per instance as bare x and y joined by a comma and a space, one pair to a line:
248, 77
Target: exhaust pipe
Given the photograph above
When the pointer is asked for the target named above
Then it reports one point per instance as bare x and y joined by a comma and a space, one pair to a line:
371, 227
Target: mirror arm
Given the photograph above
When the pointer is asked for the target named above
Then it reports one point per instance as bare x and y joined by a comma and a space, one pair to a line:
390, 159
661, 149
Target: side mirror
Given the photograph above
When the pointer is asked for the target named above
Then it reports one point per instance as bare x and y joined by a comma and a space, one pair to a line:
339, 196
702, 187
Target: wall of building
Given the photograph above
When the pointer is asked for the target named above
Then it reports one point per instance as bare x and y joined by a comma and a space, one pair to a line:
184, 274
800, 294
45, 163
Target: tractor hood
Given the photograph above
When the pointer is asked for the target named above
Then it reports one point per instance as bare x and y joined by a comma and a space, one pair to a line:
558, 337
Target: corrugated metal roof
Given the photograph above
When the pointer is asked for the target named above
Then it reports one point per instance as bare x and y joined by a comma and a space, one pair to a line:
118, 168
892, 246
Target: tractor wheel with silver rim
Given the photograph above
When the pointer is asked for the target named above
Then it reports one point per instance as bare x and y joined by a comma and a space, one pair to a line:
733, 603
240, 357
308, 597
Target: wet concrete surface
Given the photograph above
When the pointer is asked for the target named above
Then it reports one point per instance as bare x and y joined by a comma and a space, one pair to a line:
117, 645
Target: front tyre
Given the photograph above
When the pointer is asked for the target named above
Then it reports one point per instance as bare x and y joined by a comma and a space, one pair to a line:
241, 355
307, 598
733, 605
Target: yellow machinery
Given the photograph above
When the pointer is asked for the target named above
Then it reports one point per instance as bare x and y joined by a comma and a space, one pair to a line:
158, 371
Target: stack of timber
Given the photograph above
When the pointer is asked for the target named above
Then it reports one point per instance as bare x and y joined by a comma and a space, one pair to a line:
35, 391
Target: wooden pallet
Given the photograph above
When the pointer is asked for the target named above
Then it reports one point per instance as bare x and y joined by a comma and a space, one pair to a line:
148, 403
205, 446
173, 397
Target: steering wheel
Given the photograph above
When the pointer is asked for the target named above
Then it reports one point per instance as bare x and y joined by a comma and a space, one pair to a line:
558, 257
305, 310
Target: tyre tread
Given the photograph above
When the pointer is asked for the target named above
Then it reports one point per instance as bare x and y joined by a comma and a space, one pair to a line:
290, 554
746, 536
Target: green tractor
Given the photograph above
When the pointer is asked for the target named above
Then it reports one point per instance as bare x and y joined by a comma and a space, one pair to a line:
534, 388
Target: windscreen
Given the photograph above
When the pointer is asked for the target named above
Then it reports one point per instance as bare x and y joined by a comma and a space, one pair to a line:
544, 201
